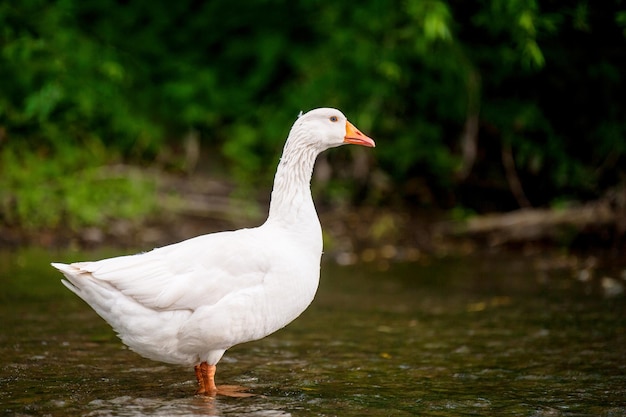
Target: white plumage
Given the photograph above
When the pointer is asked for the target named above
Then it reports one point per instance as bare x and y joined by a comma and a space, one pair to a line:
187, 303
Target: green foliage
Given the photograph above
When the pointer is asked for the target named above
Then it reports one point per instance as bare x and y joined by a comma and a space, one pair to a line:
69, 189
543, 79
60, 86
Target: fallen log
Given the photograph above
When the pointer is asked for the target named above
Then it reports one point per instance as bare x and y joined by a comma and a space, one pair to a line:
533, 224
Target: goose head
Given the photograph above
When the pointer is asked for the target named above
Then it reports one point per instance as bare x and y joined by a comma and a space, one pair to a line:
328, 128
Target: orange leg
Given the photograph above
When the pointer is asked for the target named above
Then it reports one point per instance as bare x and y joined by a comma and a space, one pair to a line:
205, 374
201, 388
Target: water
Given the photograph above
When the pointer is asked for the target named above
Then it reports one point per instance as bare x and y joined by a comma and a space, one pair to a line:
518, 335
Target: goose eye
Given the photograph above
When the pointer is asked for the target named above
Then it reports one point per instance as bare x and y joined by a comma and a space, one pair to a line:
333, 118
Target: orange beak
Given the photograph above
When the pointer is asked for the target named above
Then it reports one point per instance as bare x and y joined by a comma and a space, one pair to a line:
354, 136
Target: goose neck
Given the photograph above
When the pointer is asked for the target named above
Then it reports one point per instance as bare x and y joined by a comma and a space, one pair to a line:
291, 195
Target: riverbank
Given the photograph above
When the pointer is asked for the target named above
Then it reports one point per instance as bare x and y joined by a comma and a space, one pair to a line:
194, 205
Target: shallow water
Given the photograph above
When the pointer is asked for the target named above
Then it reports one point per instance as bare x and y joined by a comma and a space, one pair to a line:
515, 335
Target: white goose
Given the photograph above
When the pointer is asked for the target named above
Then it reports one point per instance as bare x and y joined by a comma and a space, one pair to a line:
189, 302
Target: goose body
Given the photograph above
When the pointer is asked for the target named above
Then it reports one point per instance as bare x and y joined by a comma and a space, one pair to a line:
187, 303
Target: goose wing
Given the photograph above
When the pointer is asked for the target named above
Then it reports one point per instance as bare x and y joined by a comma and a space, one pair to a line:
185, 275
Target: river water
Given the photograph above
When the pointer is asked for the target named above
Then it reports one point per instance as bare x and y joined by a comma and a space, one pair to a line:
499, 334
